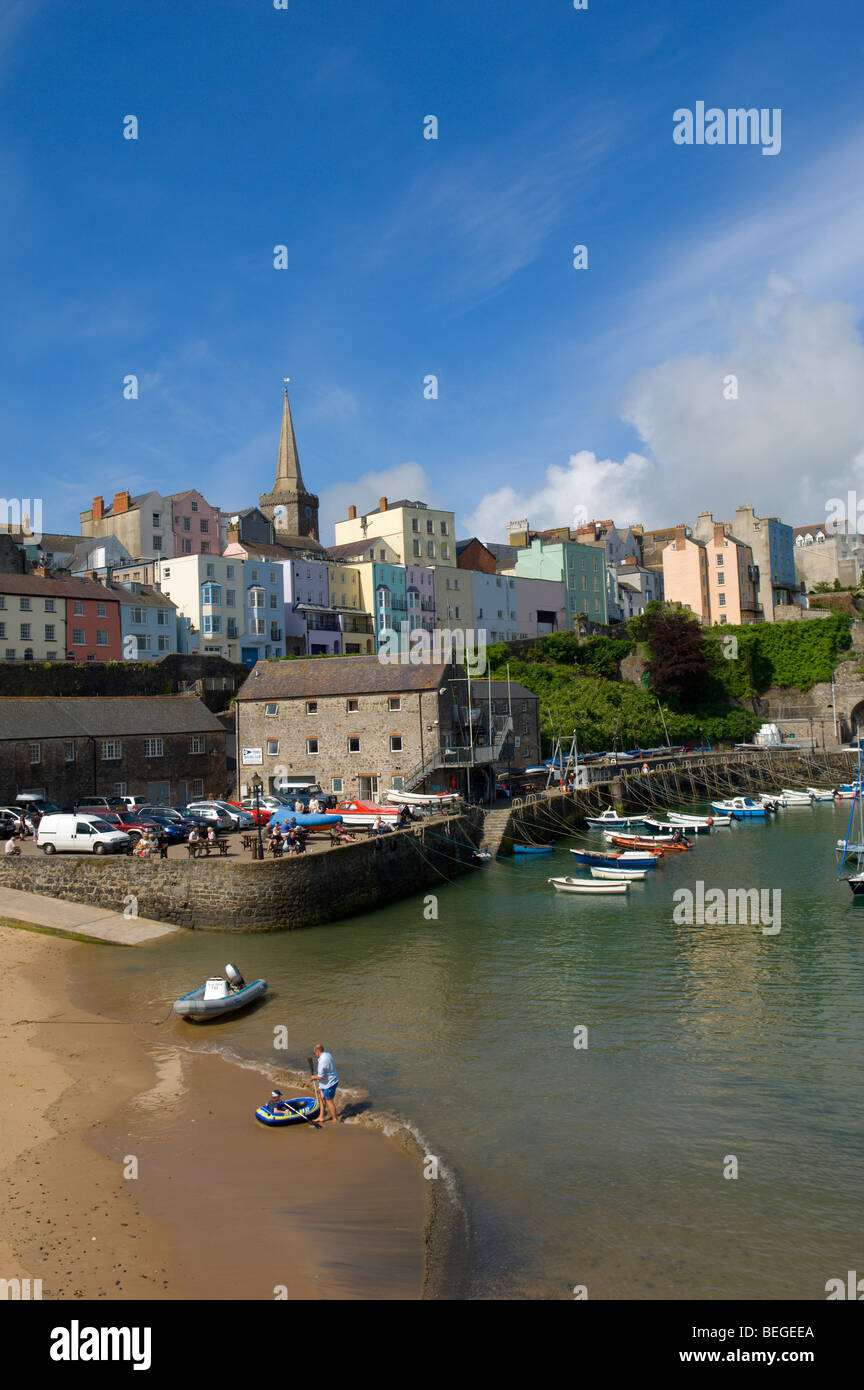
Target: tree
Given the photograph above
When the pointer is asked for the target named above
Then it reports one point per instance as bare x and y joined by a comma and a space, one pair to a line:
680, 667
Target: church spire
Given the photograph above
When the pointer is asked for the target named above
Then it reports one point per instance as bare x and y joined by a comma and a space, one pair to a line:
288, 465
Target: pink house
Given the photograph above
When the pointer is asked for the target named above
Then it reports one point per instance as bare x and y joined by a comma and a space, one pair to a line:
194, 524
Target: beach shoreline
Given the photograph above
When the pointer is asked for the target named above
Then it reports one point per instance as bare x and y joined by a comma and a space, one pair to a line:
221, 1208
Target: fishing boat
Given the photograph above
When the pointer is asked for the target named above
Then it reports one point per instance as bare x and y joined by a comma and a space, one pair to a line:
533, 849
741, 808
221, 994
293, 1111
663, 844
587, 885
621, 875
701, 825
610, 820
636, 859
822, 793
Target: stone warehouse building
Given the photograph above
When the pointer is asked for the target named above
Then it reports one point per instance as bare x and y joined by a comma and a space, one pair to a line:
167, 748
357, 726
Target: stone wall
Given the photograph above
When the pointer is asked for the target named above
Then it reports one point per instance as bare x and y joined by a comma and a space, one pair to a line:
227, 895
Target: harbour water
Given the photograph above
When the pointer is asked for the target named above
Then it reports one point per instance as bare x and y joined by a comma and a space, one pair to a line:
599, 1166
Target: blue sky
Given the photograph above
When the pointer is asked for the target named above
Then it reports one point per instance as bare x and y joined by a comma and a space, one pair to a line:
559, 389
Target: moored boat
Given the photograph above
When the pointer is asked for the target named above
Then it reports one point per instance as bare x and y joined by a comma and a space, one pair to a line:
635, 859
702, 825
401, 798
822, 793
741, 808
610, 819
587, 885
622, 875
533, 849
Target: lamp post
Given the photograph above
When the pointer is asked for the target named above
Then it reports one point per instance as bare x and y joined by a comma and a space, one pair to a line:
256, 789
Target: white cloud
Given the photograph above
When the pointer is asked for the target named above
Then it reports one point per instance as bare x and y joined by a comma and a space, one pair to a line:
571, 494
403, 480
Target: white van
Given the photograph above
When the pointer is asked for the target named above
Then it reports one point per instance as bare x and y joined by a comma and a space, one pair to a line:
86, 834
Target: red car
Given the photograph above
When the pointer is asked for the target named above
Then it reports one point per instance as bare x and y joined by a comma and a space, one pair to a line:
260, 817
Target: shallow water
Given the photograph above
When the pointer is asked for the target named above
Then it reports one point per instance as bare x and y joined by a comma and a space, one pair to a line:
600, 1166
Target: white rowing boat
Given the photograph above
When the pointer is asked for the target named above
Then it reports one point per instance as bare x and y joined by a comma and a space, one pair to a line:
587, 885
620, 875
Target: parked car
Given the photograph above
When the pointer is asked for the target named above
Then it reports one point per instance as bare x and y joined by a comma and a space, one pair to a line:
97, 804
133, 803
81, 833
260, 817
9, 826
212, 814
168, 816
239, 813
136, 826
29, 802
20, 816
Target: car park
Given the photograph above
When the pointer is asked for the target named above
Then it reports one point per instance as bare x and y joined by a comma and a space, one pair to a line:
89, 835
95, 805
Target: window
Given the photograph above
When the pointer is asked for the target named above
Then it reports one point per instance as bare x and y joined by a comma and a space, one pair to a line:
2, 630
430, 549
230, 597
197, 743
154, 748
137, 616
231, 627
161, 617
351, 706
205, 526
445, 551
78, 608
78, 637
394, 702
187, 524
271, 710
721, 579
272, 576
336, 784
722, 600
25, 605
102, 637
157, 521
211, 624
311, 706
35, 753
256, 598
10, 653
719, 559
229, 572
255, 576
311, 746
205, 547
430, 527
166, 573
163, 643
112, 749
119, 788
194, 505
2, 601
353, 745
417, 549
272, 747
25, 632
69, 752
274, 600
443, 528
395, 743
49, 605
211, 594
398, 783
187, 546
157, 542
211, 571
142, 640
198, 787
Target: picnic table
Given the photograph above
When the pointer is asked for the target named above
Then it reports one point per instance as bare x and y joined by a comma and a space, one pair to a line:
203, 847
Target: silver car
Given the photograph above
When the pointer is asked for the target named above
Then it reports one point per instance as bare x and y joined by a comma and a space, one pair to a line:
243, 818
212, 812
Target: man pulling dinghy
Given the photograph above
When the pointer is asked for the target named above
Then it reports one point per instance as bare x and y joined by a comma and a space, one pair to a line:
221, 994
277, 1111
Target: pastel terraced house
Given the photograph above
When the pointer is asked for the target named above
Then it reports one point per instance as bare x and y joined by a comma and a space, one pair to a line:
716, 578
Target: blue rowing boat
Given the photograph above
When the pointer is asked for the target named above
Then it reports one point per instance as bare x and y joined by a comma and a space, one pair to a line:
532, 849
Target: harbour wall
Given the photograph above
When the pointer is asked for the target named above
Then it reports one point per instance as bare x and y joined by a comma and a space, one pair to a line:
230, 895
677, 782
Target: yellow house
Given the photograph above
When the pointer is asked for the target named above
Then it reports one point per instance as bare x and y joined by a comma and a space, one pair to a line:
416, 533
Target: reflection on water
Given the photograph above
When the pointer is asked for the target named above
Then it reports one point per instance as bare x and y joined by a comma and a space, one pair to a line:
604, 1165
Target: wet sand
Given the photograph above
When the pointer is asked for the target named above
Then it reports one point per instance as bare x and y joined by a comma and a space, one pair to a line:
222, 1207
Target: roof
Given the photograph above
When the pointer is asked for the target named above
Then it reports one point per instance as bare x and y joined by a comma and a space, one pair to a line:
480, 686
104, 716
147, 598
353, 549
53, 588
317, 677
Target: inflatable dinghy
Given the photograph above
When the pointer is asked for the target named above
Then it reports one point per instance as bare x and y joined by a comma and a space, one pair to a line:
293, 1111
220, 995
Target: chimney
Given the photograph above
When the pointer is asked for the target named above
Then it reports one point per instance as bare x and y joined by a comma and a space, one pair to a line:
382, 504
98, 509
352, 513
93, 576
122, 502
233, 535
719, 533
42, 570
680, 537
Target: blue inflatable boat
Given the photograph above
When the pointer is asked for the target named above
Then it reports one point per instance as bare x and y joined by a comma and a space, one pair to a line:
284, 817
288, 1112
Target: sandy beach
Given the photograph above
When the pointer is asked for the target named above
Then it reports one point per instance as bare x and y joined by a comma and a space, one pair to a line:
221, 1207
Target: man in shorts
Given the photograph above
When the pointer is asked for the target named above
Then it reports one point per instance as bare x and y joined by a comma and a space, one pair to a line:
327, 1080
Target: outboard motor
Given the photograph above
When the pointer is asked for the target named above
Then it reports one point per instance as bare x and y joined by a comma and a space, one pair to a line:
235, 979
